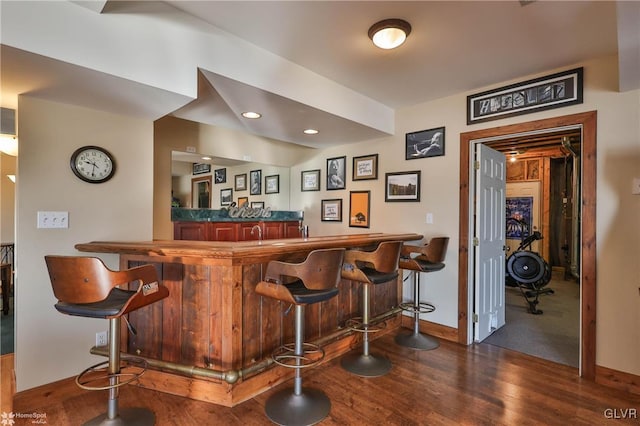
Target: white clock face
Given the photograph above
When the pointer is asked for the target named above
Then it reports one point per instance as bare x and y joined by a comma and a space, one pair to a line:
92, 164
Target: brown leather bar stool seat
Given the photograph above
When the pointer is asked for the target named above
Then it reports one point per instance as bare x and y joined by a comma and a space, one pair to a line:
430, 258
369, 268
312, 281
85, 287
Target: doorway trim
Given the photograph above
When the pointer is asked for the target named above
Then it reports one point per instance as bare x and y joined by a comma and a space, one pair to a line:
587, 121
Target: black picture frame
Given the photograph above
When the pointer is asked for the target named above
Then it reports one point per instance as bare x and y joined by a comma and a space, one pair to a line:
272, 184
424, 143
365, 167
402, 186
226, 196
220, 176
255, 182
331, 210
336, 173
240, 182
310, 180
201, 168
360, 209
552, 91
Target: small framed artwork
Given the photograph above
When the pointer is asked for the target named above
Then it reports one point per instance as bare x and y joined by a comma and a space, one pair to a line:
241, 182
310, 180
220, 176
359, 209
402, 186
242, 201
255, 177
226, 196
272, 184
257, 204
332, 210
200, 168
365, 167
336, 172
425, 143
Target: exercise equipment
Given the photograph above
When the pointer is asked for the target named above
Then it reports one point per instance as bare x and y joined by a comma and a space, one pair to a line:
527, 270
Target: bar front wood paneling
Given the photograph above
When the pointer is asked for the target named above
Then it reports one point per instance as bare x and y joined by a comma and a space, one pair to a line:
214, 320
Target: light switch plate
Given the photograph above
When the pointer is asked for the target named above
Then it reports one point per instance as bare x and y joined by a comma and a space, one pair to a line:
53, 220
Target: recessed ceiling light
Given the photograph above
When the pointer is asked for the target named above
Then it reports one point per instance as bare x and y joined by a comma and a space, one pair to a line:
251, 114
310, 132
206, 158
389, 33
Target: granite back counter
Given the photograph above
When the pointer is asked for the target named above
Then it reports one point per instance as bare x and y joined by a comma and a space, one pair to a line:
235, 224
212, 338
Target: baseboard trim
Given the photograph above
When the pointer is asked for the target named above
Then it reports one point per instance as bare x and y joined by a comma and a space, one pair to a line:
618, 379
432, 329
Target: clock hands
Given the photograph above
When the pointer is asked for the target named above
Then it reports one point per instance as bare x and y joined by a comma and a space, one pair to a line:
93, 165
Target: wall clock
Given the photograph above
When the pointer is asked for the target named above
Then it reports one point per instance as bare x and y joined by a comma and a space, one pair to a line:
93, 164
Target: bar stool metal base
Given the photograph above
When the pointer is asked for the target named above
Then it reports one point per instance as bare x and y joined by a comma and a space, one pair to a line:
287, 408
366, 365
126, 416
417, 341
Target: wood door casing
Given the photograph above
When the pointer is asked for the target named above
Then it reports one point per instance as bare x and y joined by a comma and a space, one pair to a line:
588, 123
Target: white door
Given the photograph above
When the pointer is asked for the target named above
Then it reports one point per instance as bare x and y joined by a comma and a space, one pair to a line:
489, 244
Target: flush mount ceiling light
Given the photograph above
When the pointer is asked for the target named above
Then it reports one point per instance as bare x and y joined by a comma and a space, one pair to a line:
310, 132
389, 33
251, 114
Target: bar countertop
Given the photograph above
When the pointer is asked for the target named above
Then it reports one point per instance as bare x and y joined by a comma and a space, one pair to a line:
240, 249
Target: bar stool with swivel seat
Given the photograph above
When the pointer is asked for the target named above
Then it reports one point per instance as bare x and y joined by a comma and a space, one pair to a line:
312, 281
429, 259
85, 287
369, 267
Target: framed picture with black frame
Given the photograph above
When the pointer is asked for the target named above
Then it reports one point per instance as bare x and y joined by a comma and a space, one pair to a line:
402, 186
331, 210
272, 184
359, 209
365, 167
255, 180
336, 172
310, 180
220, 176
226, 196
552, 91
425, 143
240, 182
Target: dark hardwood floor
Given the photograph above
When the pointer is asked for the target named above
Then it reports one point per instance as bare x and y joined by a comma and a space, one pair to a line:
452, 385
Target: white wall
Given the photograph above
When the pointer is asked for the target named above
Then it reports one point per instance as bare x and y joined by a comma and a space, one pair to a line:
49, 345
618, 227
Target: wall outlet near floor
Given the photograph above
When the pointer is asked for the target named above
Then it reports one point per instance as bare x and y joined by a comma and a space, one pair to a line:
101, 338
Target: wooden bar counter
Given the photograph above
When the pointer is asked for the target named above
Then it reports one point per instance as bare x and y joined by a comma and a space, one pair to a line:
212, 338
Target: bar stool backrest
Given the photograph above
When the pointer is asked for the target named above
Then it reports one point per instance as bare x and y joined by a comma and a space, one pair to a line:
80, 280
319, 271
436, 250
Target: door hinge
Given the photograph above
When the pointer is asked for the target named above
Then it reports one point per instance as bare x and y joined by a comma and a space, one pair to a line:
476, 242
476, 165
474, 317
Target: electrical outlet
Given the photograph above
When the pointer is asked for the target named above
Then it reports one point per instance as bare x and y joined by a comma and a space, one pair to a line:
101, 338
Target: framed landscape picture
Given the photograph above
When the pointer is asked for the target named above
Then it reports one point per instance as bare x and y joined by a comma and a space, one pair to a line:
402, 186
226, 196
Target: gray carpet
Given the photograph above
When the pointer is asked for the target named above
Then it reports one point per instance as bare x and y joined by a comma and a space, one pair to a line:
554, 335
6, 330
